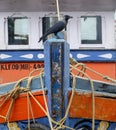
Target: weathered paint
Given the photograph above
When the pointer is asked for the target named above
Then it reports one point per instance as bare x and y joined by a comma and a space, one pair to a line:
19, 70
13, 71
104, 68
20, 108
57, 76
81, 107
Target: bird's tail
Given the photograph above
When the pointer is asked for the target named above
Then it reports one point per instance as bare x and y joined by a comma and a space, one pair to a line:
40, 39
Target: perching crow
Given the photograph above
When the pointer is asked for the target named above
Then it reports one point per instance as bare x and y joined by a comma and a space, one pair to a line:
57, 27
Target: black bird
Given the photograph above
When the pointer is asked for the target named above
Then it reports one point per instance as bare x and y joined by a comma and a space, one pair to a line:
57, 27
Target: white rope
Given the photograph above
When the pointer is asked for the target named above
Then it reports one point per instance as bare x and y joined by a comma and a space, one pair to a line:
93, 97
58, 11
48, 114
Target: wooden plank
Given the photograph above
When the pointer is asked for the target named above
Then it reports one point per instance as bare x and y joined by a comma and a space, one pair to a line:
84, 84
105, 100
81, 107
35, 85
20, 108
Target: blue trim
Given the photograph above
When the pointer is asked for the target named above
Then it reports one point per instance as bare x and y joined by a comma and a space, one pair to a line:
48, 72
38, 55
21, 55
94, 55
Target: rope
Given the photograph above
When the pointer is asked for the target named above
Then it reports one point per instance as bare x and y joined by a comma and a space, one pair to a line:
35, 70
13, 94
47, 112
58, 12
17, 90
76, 64
69, 104
3, 117
9, 110
49, 118
103, 76
93, 97
73, 65
28, 99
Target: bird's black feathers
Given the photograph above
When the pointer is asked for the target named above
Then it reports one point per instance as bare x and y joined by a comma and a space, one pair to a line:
59, 26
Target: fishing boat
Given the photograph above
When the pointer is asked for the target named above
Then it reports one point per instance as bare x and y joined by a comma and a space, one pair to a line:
58, 83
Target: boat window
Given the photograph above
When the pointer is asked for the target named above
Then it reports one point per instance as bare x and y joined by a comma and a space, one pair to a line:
91, 30
18, 31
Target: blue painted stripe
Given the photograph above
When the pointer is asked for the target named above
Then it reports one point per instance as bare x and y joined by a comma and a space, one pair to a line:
94, 55
21, 55
38, 55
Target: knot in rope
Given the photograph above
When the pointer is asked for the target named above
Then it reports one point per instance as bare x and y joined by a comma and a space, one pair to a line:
15, 93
